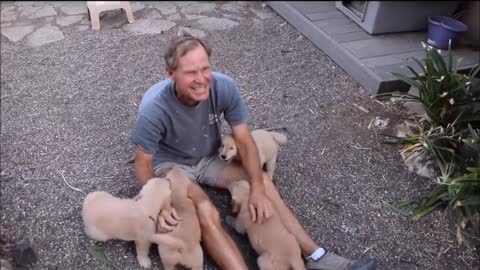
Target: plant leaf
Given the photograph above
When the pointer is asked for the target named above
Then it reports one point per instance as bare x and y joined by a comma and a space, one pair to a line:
473, 72
406, 80
421, 212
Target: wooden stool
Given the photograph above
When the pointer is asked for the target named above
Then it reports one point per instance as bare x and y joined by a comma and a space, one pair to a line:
96, 7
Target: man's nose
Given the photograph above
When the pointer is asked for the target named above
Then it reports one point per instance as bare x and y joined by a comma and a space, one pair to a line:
199, 78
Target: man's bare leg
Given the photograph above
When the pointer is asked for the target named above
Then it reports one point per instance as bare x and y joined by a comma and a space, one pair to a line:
235, 172
218, 243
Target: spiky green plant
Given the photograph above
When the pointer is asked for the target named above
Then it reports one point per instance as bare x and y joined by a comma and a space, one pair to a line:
448, 134
445, 94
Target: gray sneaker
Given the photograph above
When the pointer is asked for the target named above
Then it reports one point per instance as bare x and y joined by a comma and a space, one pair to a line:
330, 261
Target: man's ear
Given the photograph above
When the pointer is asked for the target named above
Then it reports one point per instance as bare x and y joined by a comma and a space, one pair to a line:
169, 72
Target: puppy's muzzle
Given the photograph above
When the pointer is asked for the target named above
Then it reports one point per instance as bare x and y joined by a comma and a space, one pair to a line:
224, 158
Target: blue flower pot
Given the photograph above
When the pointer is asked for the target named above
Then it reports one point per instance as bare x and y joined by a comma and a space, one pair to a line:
441, 29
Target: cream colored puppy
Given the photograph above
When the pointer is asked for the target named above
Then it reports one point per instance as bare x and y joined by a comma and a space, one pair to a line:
106, 217
276, 246
268, 143
182, 245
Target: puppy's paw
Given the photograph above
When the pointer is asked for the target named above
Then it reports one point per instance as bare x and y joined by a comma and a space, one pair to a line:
144, 261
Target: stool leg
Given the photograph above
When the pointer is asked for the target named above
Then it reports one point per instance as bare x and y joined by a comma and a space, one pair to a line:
129, 15
95, 19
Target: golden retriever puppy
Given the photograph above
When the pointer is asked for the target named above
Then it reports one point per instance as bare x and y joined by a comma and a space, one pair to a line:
106, 217
268, 143
182, 245
276, 246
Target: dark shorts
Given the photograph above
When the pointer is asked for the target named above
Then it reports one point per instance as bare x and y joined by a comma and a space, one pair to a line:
205, 172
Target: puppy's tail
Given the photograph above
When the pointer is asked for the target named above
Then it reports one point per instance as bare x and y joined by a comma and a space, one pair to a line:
280, 138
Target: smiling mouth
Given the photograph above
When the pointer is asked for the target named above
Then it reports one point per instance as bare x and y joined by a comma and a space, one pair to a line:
198, 89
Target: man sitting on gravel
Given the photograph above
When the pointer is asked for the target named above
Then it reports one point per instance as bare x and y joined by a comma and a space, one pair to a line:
178, 125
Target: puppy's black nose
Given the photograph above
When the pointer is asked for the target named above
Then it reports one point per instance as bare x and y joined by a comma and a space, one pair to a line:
223, 156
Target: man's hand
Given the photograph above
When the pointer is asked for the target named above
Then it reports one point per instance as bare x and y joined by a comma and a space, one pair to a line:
259, 205
167, 220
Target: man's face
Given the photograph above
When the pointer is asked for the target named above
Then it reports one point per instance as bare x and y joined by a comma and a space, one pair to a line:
192, 76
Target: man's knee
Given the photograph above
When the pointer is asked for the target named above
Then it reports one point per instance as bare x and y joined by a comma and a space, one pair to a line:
208, 215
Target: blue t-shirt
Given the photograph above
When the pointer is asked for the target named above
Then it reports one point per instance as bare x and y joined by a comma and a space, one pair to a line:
174, 132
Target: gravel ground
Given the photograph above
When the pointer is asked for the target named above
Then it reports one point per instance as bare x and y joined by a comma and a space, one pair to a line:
67, 109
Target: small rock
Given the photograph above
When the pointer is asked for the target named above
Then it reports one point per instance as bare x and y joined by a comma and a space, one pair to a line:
198, 8
181, 4
8, 18
59, 3
44, 35
154, 14
165, 8
242, 3
405, 129
381, 123
193, 17
28, 11
82, 27
27, 3
144, 26
216, 23
232, 7
24, 255
85, 21
7, 10
416, 163
74, 9
263, 14
233, 17
69, 20
16, 33
45, 11
174, 17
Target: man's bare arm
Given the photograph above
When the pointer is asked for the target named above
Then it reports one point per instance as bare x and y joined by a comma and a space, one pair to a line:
249, 154
260, 206
168, 217
143, 166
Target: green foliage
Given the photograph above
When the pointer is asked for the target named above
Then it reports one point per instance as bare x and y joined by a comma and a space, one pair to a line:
446, 95
448, 134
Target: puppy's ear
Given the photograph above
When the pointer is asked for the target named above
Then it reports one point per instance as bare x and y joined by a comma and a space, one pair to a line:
235, 206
